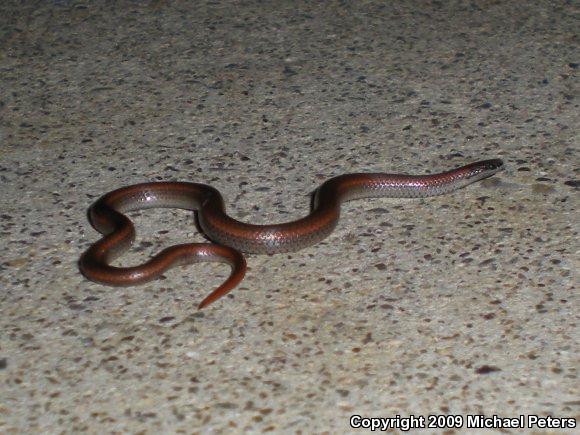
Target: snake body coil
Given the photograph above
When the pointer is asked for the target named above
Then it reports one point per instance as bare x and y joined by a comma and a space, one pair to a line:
233, 236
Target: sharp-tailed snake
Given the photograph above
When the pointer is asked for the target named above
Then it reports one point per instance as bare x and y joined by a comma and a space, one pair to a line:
232, 236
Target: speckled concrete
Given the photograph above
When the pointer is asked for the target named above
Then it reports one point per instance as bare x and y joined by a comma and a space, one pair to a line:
461, 304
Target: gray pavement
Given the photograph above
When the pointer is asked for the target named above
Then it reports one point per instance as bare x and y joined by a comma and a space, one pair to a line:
463, 304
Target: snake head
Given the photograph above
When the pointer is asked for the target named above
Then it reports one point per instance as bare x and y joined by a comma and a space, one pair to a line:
483, 169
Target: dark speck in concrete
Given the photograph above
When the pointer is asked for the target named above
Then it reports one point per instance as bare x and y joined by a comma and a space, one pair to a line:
486, 369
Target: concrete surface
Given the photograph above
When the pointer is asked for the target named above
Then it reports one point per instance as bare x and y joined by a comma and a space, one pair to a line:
458, 305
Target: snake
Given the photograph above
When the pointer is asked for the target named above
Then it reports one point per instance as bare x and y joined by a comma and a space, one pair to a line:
230, 236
